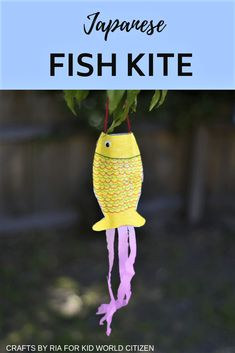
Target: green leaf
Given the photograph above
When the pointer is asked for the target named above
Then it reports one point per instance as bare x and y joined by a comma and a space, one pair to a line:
155, 99
158, 99
117, 115
69, 98
132, 97
163, 97
114, 99
134, 105
123, 109
73, 98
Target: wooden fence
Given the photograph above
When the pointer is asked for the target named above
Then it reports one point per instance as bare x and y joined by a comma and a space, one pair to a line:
46, 166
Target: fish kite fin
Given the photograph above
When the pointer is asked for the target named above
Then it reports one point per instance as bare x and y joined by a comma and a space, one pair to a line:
116, 220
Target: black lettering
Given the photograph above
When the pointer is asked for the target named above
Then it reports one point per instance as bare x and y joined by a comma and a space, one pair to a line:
101, 26
102, 64
151, 65
53, 64
144, 26
70, 65
165, 62
125, 26
132, 64
82, 63
182, 64
136, 24
96, 14
112, 26
150, 28
161, 26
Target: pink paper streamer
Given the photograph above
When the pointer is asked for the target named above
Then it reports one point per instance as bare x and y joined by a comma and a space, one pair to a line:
127, 253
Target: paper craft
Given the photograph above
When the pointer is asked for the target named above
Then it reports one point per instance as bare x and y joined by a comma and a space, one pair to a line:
117, 178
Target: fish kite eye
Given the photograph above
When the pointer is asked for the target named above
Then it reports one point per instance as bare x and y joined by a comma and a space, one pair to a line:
107, 144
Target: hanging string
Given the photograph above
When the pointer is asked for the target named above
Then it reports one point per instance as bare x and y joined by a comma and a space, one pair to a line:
106, 118
128, 123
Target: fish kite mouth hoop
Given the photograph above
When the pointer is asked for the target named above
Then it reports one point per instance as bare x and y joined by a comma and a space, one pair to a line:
120, 133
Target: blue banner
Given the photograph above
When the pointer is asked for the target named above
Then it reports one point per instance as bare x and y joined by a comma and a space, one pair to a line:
117, 44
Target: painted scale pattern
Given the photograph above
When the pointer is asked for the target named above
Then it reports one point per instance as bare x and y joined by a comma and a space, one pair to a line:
117, 182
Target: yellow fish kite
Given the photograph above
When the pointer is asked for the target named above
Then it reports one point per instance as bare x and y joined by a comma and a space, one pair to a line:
117, 179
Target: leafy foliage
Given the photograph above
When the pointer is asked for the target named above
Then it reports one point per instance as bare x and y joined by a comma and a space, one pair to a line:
73, 98
115, 98
158, 99
121, 103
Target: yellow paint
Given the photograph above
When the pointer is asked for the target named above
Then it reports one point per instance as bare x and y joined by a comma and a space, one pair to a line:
117, 178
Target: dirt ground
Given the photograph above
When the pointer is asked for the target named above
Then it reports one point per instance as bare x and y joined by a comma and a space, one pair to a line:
183, 293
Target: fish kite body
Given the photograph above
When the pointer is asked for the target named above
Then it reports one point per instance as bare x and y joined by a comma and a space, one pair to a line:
117, 179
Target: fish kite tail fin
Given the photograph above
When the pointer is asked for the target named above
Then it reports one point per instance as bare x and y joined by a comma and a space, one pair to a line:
116, 220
